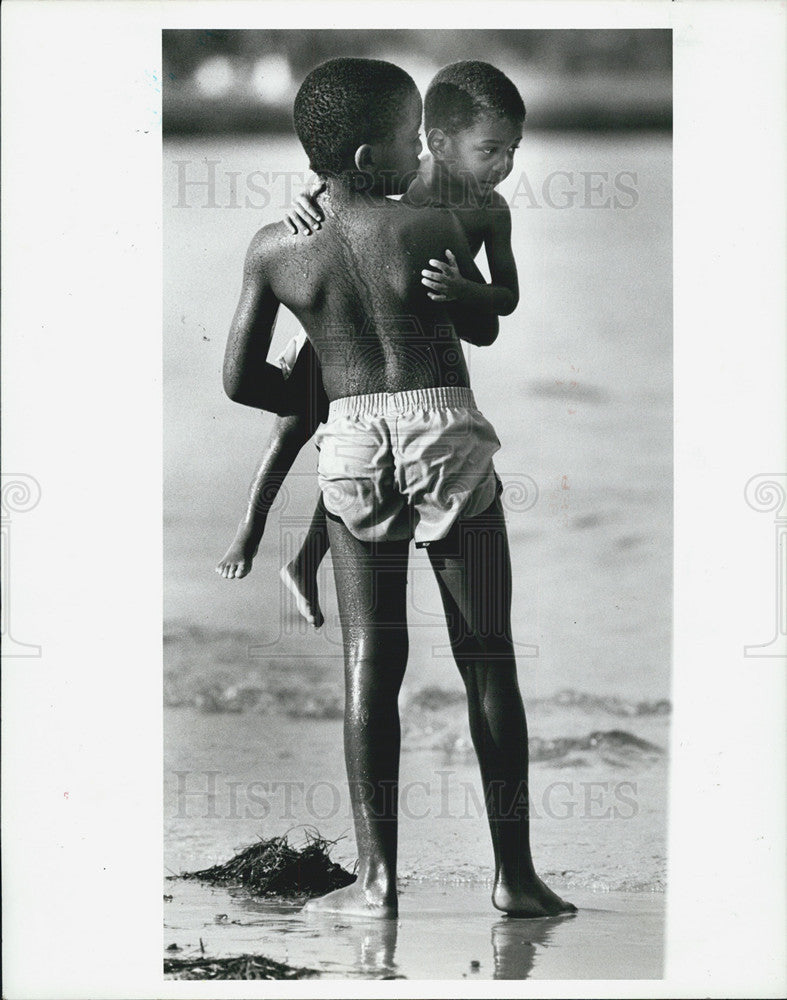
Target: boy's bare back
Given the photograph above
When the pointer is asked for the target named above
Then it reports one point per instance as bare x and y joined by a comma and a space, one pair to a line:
356, 288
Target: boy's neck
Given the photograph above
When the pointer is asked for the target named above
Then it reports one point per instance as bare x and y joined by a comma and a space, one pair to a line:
349, 192
447, 189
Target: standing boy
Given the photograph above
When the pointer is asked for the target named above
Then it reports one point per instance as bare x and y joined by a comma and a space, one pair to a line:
404, 454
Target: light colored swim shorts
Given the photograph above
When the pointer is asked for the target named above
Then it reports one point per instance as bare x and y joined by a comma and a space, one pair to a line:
402, 465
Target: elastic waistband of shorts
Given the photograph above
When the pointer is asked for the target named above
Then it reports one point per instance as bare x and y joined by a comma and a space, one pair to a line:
440, 397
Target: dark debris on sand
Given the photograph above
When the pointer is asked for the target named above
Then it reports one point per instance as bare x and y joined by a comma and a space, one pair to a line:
240, 967
275, 868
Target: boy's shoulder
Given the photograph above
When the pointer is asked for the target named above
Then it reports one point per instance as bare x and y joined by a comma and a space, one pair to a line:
271, 247
496, 215
497, 206
268, 241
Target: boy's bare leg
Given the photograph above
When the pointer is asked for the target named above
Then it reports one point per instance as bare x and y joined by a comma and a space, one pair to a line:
300, 575
371, 586
286, 439
473, 571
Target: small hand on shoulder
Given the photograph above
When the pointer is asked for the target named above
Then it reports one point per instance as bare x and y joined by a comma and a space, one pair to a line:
305, 215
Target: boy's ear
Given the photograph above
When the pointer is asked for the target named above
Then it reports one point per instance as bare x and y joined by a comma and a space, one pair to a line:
364, 160
437, 142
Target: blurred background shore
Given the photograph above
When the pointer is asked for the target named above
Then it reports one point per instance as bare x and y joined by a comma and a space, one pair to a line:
225, 81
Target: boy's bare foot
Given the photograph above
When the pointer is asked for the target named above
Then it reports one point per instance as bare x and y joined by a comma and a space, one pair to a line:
238, 558
303, 587
355, 901
531, 899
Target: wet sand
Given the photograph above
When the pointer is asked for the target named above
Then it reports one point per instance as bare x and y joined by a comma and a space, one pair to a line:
442, 931
598, 818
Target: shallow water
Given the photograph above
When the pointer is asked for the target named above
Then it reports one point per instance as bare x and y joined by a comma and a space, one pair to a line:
443, 932
578, 387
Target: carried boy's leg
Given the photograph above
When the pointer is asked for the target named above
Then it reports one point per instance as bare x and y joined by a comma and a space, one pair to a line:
300, 574
473, 569
285, 441
371, 586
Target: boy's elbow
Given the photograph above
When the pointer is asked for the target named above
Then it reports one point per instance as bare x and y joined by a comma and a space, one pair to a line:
508, 305
232, 387
487, 334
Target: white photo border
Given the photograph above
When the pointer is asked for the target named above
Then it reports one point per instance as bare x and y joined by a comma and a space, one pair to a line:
82, 406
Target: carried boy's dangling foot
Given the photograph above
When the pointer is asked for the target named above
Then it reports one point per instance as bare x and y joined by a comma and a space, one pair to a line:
303, 587
238, 559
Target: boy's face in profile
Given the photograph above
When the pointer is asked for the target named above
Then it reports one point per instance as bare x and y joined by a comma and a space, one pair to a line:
396, 156
482, 156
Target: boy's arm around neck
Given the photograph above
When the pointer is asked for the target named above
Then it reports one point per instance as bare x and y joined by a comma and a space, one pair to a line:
248, 378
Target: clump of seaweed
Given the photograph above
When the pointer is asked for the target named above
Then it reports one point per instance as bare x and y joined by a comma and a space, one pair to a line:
274, 867
240, 967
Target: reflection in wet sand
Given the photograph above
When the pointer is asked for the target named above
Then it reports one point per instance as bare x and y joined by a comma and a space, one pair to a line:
373, 941
377, 949
442, 932
514, 944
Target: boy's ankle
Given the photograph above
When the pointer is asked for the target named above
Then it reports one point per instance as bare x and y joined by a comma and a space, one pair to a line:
380, 884
302, 564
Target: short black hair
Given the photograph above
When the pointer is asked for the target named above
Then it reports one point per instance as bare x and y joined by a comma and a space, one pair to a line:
344, 103
463, 91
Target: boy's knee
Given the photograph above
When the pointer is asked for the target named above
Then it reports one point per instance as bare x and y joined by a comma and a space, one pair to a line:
376, 673
492, 684
375, 668
482, 645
